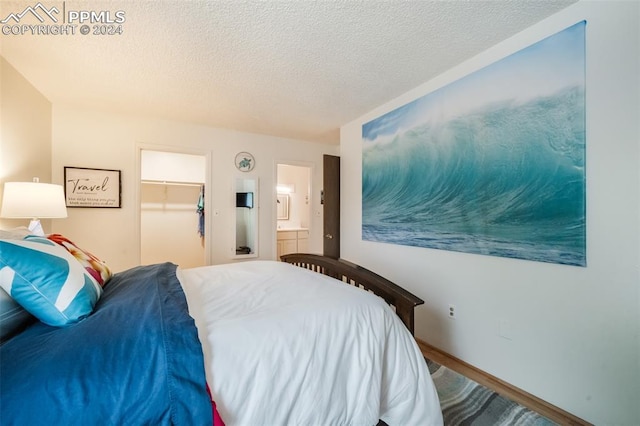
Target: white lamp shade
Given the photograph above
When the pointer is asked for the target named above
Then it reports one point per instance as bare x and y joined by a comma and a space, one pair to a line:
33, 200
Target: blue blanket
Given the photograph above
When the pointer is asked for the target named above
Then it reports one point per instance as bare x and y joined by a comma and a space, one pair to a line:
135, 360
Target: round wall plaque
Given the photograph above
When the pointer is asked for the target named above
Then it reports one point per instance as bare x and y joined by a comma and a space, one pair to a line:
245, 162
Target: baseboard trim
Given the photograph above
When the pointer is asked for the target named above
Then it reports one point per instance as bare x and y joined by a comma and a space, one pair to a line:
503, 388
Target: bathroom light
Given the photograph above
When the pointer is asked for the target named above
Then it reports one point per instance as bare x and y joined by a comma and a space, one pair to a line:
33, 200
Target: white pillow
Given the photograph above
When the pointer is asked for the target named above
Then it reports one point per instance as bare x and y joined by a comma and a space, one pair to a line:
15, 233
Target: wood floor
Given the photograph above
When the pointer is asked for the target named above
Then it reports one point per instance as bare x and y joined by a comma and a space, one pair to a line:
501, 387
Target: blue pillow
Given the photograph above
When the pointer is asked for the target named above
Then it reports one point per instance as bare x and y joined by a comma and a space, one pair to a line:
47, 281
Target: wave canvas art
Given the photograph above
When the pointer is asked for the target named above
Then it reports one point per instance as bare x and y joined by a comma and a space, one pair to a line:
492, 164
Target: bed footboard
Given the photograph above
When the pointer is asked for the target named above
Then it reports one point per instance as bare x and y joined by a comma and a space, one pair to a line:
398, 298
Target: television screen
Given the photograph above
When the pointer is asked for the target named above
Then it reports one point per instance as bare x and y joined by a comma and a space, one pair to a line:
244, 199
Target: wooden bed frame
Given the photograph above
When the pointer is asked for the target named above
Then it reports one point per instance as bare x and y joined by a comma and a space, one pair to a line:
398, 298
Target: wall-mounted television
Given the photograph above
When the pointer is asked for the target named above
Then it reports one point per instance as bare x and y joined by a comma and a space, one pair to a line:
244, 199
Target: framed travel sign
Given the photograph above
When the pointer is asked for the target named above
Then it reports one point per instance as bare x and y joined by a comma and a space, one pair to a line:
92, 187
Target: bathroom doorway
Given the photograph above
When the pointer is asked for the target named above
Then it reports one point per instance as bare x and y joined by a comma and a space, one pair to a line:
293, 208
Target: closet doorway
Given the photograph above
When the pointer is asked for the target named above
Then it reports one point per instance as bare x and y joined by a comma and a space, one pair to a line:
293, 209
172, 206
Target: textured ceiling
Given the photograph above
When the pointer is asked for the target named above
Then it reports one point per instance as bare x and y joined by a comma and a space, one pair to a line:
295, 69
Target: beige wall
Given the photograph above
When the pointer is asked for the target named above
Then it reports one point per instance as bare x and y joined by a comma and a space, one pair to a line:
111, 141
575, 331
25, 134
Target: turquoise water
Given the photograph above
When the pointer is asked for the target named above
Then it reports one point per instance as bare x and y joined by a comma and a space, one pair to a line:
505, 179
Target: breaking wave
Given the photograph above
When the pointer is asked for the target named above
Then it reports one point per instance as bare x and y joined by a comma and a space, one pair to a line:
505, 180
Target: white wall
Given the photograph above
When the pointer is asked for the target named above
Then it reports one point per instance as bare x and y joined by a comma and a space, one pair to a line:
172, 167
110, 141
575, 331
25, 135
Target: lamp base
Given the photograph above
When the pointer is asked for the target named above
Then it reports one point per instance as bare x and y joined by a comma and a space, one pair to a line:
35, 228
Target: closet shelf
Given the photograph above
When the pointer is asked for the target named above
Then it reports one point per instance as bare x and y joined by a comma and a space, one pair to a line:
166, 182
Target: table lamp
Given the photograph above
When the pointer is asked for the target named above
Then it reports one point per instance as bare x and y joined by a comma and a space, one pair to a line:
34, 200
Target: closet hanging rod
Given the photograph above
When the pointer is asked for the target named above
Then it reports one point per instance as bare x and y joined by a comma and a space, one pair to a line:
166, 182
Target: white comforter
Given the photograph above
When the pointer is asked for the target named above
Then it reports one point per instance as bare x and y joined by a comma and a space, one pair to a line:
287, 346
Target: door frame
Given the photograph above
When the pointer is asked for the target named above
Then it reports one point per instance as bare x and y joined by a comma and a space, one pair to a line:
138, 198
312, 199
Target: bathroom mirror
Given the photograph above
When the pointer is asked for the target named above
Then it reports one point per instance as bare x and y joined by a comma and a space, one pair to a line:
283, 206
245, 198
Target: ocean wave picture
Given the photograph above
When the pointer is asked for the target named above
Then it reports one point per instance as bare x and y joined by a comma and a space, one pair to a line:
492, 164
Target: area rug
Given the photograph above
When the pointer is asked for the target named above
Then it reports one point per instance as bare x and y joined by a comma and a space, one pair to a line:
465, 402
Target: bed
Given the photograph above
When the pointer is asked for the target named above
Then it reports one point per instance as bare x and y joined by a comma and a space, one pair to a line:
250, 343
